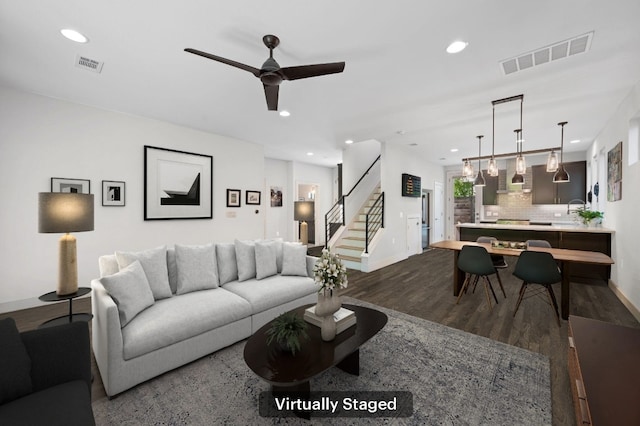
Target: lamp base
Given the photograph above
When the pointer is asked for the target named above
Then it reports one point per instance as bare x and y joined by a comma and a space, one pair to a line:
67, 265
304, 233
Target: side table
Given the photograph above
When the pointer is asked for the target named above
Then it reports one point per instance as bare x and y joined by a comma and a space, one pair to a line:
54, 297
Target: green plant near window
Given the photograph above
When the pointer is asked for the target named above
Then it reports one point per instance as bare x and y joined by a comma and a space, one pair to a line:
287, 330
589, 215
462, 188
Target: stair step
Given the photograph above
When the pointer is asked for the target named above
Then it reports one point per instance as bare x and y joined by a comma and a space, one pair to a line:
349, 247
351, 258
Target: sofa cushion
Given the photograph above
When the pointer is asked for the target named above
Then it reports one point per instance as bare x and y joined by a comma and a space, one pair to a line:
173, 269
196, 267
130, 290
266, 259
173, 320
294, 259
66, 404
15, 364
272, 291
227, 265
154, 264
246, 259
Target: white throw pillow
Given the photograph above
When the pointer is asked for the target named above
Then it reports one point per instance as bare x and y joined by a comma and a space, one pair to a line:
266, 254
130, 289
294, 259
154, 264
196, 267
227, 265
246, 258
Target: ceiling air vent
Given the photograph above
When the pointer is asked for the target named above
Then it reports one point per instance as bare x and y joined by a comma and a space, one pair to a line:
560, 50
88, 64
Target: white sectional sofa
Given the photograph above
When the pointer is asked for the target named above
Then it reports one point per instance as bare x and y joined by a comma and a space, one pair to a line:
159, 309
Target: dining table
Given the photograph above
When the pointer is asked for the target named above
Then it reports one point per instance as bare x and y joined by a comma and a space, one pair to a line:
565, 258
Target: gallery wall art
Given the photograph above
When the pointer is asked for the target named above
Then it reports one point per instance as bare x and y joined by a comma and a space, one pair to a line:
614, 173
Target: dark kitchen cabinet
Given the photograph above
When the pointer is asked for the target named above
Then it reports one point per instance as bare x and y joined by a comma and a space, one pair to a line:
490, 190
544, 191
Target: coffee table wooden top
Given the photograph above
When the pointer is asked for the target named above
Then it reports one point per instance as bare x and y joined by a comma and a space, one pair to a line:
280, 368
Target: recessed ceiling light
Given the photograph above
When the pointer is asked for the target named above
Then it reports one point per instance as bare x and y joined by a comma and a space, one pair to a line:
309, 154
74, 35
284, 113
454, 149
348, 141
575, 141
457, 46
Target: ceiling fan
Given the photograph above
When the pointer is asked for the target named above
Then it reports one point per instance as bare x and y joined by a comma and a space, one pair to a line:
271, 74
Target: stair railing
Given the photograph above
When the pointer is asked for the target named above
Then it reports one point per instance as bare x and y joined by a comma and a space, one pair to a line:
374, 220
335, 217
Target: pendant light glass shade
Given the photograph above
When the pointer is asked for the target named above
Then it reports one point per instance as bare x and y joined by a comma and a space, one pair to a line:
552, 162
517, 179
521, 165
492, 167
561, 175
467, 170
479, 180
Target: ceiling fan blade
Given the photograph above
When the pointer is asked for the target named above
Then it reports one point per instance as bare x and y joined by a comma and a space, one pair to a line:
252, 70
271, 93
305, 71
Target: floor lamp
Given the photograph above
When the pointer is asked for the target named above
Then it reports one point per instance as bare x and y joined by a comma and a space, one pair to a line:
61, 212
303, 212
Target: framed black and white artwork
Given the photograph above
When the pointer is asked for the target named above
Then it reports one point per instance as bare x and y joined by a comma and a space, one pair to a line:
113, 193
79, 186
252, 197
177, 184
233, 198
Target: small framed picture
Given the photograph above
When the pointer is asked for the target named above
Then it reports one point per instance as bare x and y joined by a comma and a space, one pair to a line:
233, 198
112, 193
276, 196
78, 186
252, 197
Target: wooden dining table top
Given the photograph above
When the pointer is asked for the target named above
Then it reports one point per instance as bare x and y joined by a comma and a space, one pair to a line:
564, 255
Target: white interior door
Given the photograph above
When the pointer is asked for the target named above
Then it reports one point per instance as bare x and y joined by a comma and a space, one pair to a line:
414, 235
438, 212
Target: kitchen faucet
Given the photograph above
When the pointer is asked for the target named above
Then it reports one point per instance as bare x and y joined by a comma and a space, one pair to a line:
584, 204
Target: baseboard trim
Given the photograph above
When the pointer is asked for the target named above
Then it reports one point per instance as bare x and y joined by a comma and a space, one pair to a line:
626, 302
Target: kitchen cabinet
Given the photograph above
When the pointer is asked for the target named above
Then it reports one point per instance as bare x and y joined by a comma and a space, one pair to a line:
490, 190
544, 191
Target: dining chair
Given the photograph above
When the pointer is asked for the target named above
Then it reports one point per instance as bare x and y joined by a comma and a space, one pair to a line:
536, 268
538, 243
476, 263
498, 260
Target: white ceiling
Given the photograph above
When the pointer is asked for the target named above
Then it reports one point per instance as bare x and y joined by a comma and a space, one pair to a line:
398, 77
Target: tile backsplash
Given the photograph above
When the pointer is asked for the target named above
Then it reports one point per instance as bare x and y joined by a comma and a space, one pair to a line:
517, 205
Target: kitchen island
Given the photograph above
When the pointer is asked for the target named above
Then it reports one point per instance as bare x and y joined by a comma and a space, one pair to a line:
567, 236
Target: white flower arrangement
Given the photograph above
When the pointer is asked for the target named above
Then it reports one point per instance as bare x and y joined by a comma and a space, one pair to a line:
329, 272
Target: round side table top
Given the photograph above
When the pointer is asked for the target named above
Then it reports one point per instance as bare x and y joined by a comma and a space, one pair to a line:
54, 297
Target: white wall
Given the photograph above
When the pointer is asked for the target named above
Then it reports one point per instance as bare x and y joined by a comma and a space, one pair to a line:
42, 138
356, 159
391, 246
622, 215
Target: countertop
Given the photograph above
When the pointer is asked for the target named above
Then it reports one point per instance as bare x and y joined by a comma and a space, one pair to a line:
560, 227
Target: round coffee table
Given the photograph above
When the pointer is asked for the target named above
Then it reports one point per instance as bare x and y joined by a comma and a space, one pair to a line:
291, 373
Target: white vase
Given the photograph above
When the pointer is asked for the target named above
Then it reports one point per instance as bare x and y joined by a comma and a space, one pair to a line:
328, 304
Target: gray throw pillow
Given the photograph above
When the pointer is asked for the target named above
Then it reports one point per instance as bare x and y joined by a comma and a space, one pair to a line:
227, 265
266, 254
196, 267
246, 258
130, 290
15, 364
294, 259
154, 264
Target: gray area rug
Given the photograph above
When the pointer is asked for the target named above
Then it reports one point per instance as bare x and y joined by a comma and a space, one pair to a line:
456, 378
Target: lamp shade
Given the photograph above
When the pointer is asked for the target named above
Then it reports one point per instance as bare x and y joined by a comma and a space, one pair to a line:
303, 211
61, 212
517, 179
561, 175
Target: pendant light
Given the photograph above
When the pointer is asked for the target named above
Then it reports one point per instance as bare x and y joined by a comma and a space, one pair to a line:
552, 162
479, 181
492, 166
518, 177
561, 175
521, 165
467, 170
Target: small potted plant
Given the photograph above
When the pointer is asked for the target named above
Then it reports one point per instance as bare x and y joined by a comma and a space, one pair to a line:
589, 215
287, 330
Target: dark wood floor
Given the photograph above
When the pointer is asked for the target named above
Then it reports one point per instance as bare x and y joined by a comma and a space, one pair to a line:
422, 286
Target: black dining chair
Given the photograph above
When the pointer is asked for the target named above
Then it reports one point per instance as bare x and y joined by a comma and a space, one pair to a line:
476, 263
536, 268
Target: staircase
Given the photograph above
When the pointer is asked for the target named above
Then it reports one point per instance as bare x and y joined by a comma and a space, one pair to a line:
352, 244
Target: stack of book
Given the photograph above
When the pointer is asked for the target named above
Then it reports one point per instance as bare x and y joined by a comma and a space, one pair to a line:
344, 318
